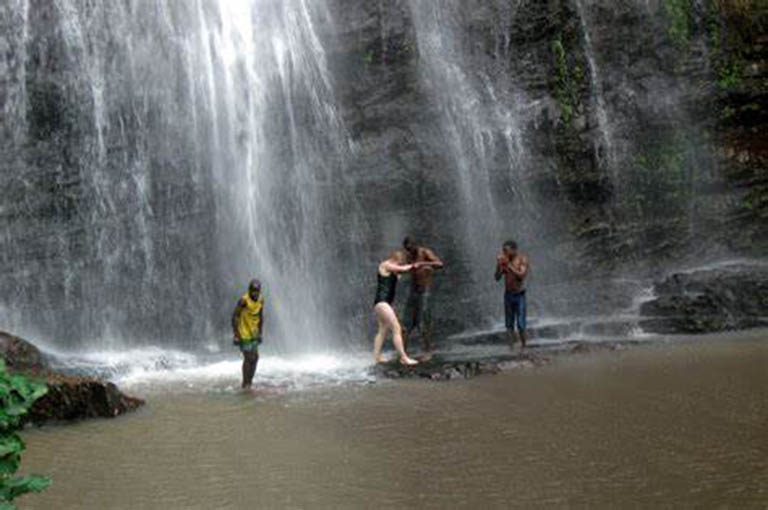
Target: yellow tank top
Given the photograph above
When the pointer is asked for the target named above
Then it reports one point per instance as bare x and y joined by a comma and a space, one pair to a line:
249, 322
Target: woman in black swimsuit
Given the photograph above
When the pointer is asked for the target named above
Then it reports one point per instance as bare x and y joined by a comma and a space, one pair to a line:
386, 283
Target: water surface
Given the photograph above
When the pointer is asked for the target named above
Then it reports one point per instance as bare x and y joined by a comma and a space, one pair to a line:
679, 425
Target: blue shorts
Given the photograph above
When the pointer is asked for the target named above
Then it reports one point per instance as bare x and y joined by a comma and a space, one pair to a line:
514, 310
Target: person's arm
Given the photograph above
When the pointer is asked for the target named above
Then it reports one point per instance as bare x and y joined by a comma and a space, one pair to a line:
522, 271
500, 267
432, 260
261, 324
236, 318
399, 268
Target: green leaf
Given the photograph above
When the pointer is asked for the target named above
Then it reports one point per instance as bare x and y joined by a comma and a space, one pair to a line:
9, 464
10, 444
29, 483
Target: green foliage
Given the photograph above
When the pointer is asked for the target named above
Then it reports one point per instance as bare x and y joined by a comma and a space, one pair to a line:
565, 80
17, 395
727, 113
679, 15
734, 28
729, 74
368, 58
662, 179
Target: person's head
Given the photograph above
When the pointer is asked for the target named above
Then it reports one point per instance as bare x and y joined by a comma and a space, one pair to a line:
410, 246
398, 257
254, 288
509, 248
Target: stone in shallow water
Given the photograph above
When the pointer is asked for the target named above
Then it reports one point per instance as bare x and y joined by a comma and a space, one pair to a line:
443, 368
69, 397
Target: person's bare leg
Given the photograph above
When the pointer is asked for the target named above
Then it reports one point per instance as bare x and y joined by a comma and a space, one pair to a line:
426, 338
397, 339
246, 369
381, 333
397, 335
512, 337
523, 339
250, 363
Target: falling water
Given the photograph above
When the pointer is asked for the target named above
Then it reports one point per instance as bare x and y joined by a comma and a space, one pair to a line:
648, 143
201, 147
606, 151
481, 132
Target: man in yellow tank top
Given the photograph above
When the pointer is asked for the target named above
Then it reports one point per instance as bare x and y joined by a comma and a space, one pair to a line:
248, 325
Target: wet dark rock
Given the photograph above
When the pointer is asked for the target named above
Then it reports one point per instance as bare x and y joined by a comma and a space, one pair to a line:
20, 355
69, 397
446, 368
730, 298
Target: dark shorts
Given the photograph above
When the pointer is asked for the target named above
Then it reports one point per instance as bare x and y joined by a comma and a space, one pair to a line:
418, 312
250, 345
514, 310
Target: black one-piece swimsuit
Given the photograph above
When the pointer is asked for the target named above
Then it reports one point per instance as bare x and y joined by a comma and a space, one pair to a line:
385, 288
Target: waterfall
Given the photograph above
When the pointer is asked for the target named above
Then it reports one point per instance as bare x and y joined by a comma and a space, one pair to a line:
480, 110
165, 153
648, 144
606, 151
158, 154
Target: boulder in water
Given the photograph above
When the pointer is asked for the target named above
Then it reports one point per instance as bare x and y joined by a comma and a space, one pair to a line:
69, 397
707, 301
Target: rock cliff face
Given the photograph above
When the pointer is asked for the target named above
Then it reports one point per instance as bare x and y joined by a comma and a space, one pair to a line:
609, 138
639, 131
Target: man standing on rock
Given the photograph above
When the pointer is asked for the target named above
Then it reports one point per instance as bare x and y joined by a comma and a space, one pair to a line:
513, 265
418, 313
248, 325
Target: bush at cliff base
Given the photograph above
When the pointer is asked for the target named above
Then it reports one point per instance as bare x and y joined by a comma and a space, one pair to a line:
17, 394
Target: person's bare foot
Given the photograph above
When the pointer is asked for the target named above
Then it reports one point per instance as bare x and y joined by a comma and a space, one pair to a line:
380, 359
405, 360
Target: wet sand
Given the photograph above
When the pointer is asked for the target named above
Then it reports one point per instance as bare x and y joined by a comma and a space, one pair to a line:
661, 426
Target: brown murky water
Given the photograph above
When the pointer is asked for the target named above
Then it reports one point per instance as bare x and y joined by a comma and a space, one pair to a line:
683, 425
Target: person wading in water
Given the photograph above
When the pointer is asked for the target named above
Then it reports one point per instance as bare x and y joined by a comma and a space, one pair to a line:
514, 267
248, 326
418, 312
386, 284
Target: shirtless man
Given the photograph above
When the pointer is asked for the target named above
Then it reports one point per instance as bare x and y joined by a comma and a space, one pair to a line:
513, 265
418, 313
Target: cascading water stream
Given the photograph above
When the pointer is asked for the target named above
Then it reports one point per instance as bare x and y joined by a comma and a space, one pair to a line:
606, 152
482, 132
159, 154
201, 146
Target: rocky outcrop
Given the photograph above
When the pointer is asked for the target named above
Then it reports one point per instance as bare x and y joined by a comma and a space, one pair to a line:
707, 301
441, 369
20, 355
74, 398
452, 366
69, 397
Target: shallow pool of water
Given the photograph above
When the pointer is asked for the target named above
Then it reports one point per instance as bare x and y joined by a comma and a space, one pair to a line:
675, 425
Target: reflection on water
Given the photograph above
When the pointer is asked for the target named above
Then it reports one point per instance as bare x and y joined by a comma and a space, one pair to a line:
674, 426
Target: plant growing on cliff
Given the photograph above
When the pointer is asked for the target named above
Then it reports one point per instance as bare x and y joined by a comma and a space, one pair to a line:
564, 89
734, 27
679, 16
17, 394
